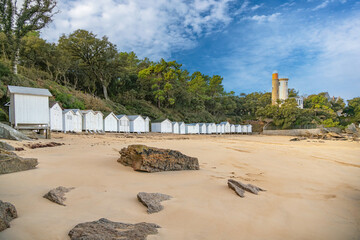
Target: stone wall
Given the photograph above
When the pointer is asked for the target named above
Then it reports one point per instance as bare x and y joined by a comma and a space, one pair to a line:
293, 132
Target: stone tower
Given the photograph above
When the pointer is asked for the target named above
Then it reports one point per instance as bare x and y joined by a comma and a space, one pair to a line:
275, 88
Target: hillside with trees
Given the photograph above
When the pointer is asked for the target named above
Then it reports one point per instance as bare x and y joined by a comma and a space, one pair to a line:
86, 71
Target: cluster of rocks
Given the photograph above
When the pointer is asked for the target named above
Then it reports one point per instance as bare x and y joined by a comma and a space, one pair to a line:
43, 145
240, 188
10, 162
7, 213
150, 159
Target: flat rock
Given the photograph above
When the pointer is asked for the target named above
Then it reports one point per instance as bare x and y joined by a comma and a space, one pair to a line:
6, 146
236, 186
57, 195
7, 213
152, 201
150, 159
104, 229
10, 162
8, 132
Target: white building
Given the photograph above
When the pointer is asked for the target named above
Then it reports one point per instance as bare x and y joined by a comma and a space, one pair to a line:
29, 107
232, 128
238, 128
226, 126
244, 129
175, 128
69, 119
137, 123
147, 124
99, 118
202, 128
249, 128
56, 118
78, 121
89, 121
219, 128
111, 123
182, 128
192, 128
162, 126
124, 123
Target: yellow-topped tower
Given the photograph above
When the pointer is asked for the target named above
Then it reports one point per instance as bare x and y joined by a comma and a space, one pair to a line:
275, 88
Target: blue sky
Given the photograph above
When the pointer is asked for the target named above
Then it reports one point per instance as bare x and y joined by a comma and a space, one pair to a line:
315, 43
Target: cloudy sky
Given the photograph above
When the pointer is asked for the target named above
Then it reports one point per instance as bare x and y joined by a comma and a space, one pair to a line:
315, 43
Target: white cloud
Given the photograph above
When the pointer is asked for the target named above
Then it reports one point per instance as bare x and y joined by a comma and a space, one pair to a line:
257, 6
263, 18
325, 3
150, 28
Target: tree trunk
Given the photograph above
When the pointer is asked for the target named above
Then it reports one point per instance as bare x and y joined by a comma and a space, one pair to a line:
105, 92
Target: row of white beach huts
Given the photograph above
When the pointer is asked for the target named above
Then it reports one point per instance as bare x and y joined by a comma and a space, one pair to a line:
29, 107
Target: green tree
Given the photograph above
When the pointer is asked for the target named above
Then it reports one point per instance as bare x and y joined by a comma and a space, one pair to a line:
17, 22
96, 56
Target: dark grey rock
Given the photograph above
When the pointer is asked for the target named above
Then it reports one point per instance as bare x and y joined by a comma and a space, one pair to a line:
152, 201
7, 213
8, 132
6, 146
57, 195
150, 159
294, 139
351, 128
10, 162
104, 229
236, 185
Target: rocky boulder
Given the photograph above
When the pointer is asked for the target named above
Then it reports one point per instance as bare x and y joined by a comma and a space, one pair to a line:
10, 162
152, 201
106, 229
240, 187
6, 146
7, 213
57, 195
8, 132
150, 159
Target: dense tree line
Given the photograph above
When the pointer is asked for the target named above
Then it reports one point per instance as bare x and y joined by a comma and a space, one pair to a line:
91, 64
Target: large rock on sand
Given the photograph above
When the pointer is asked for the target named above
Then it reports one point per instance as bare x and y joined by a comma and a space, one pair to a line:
7, 213
10, 162
240, 187
6, 146
150, 159
152, 201
106, 230
8, 132
57, 195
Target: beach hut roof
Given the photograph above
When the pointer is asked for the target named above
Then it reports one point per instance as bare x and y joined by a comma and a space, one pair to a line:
99, 112
121, 116
53, 103
159, 120
146, 117
68, 110
133, 117
113, 115
76, 111
87, 111
224, 123
192, 124
29, 91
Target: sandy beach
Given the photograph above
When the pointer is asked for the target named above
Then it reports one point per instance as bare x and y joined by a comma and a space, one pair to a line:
313, 188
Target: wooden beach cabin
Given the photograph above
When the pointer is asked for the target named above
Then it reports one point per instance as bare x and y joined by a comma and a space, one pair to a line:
111, 123
69, 120
137, 123
226, 127
99, 119
238, 128
56, 117
249, 128
192, 128
161, 126
77, 120
147, 124
232, 128
89, 120
175, 128
29, 108
124, 123
182, 128
202, 128
243, 129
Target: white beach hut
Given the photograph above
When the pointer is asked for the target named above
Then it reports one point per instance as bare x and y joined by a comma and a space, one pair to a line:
29, 107
111, 123
124, 123
226, 127
213, 128
238, 128
232, 128
243, 129
249, 128
137, 123
161, 126
209, 129
147, 124
89, 120
99, 118
69, 118
192, 128
78, 120
175, 127
56, 118
182, 128
202, 128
